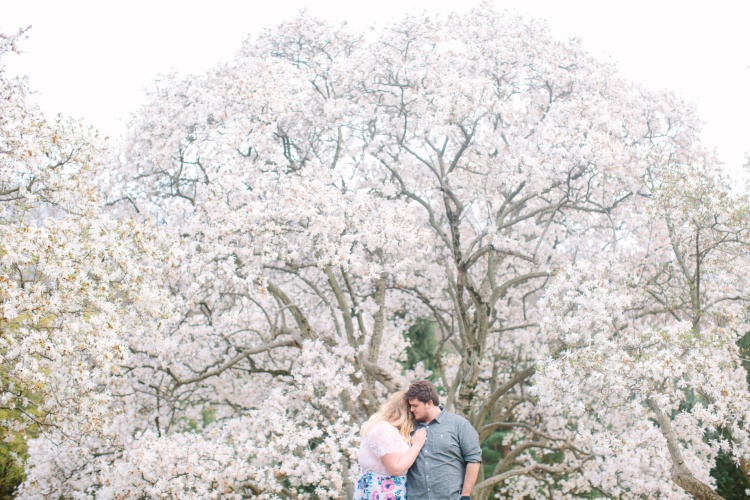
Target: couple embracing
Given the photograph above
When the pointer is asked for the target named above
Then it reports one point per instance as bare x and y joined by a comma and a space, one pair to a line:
413, 447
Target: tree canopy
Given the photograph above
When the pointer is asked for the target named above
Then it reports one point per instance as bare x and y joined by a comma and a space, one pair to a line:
214, 306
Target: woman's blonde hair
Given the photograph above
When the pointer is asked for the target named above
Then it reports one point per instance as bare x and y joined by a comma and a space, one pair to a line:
394, 411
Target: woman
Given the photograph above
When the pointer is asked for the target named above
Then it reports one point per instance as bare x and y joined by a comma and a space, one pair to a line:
385, 453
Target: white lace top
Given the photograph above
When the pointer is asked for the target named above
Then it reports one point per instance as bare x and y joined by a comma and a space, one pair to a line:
382, 439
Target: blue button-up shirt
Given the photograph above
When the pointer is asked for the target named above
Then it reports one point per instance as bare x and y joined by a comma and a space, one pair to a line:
438, 472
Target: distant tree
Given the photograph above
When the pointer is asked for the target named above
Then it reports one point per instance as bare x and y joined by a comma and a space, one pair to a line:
72, 282
12, 454
422, 338
654, 336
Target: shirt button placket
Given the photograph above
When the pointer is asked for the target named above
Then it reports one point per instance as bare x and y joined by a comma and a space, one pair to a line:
427, 470
427, 478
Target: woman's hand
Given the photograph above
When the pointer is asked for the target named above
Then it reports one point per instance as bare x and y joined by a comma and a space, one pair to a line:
419, 438
396, 463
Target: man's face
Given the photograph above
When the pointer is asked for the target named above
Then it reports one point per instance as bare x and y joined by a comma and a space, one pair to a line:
419, 409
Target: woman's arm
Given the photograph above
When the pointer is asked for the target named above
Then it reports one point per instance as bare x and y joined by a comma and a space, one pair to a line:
397, 463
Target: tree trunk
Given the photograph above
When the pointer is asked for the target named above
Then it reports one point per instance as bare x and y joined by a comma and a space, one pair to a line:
681, 474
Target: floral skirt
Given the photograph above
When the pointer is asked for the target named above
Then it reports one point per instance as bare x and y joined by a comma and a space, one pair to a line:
373, 486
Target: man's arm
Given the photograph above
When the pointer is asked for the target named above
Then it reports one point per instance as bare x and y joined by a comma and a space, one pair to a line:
470, 478
471, 452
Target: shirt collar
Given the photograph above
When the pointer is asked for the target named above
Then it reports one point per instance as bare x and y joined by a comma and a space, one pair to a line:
439, 418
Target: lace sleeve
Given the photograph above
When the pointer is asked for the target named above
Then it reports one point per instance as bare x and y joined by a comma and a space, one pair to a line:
385, 439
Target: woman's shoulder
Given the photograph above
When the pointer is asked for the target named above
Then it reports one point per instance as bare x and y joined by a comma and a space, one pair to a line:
385, 438
384, 428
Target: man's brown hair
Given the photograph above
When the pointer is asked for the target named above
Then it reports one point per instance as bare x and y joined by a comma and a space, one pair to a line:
424, 391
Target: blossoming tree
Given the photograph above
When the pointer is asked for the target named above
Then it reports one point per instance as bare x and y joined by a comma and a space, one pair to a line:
649, 364
72, 282
328, 188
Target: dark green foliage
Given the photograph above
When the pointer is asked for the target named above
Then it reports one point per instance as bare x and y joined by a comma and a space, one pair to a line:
13, 448
492, 452
11, 472
744, 345
731, 482
423, 342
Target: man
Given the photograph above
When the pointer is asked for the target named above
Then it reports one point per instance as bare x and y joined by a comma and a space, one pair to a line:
448, 465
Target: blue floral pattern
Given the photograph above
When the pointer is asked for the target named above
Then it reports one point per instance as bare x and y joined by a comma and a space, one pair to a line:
373, 486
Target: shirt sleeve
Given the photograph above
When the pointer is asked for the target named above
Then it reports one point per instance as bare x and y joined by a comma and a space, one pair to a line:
469, 442
385, 439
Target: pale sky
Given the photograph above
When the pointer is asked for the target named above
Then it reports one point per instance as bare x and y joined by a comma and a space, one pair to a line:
92, 59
